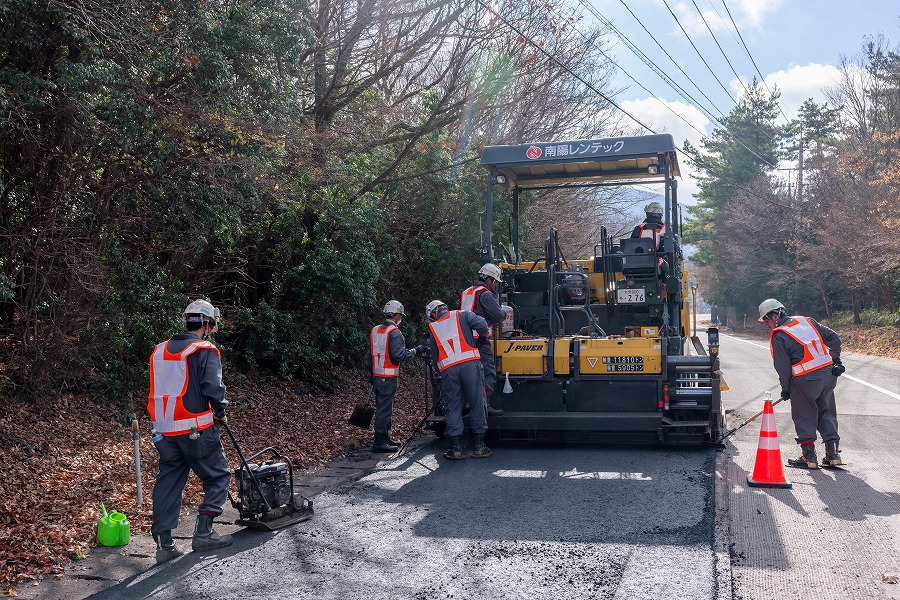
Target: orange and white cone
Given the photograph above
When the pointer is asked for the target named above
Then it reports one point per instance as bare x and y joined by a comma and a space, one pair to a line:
769, 468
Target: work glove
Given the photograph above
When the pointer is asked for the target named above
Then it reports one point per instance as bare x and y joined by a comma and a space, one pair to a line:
785, 394
421, 349
220, 420
837, 369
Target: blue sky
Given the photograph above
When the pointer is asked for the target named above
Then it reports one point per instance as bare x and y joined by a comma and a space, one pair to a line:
796, 45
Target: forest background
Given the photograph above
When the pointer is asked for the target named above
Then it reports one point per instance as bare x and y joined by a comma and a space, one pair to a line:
301, 163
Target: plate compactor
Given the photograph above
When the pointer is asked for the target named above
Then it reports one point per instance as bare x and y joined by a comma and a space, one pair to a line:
266, 498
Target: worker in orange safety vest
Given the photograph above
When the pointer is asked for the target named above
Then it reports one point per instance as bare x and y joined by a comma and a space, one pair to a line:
807, 358
186, 403
454, 350
387, 349
481, 299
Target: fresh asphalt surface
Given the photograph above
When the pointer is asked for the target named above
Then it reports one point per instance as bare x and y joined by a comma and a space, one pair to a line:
528, 522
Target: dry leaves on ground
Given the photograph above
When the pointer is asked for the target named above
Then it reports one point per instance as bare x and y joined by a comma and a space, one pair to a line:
63, 456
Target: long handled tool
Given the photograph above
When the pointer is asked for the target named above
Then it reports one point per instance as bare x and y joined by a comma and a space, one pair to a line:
746, 422
422, 422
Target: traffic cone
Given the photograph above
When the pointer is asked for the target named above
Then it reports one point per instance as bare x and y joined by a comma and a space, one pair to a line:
769, 468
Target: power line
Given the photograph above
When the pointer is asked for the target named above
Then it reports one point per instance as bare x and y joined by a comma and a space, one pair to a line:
590, 86
716, 40
674, 16
587, 84
641, 55
642, 86
750, 56
716, 77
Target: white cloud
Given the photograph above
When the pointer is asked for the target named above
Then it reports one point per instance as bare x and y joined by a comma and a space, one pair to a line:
755, 11
693, 21
800, 83
654, 113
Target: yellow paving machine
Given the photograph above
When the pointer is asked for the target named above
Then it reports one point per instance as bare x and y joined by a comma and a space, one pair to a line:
598, 349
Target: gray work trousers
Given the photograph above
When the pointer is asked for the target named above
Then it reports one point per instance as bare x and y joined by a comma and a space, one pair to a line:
385, 390
463, 384
813, 406
488, 366
178, 456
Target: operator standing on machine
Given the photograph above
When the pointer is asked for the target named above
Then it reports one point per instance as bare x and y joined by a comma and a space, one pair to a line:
187, 399
481, 299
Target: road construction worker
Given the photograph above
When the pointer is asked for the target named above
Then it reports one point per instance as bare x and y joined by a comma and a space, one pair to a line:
481, 298
807, 358
652, 227
387, 348
186, 405
454, 349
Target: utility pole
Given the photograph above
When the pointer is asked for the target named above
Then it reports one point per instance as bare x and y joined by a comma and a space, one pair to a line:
800, 172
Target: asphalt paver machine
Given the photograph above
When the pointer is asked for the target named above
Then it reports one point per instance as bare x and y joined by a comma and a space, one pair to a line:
598, 349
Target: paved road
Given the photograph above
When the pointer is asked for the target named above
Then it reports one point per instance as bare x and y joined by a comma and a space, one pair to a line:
835, 534
527, 523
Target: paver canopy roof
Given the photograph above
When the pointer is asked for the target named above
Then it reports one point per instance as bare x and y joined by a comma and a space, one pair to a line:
582, 161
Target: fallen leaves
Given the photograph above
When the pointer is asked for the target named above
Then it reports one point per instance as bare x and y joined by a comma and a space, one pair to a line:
62, 456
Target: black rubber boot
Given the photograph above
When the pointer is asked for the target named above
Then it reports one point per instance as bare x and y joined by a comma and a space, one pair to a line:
166, 549
206, 538
832, 455
807, 460
481, 449
393, 442
382, 444
454, 452
491, 411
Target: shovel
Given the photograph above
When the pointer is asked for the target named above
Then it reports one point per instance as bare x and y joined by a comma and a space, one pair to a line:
362, 413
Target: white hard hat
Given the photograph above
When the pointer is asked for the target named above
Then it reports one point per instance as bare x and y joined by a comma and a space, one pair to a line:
393, 307
769, 305
201, 311
654, 208
432, 307
490, 270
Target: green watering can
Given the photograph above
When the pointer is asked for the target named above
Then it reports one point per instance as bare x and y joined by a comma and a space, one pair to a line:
113, 529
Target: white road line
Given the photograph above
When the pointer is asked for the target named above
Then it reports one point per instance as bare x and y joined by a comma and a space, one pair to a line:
850, 377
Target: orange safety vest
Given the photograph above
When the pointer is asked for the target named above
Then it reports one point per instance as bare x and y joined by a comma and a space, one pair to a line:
650, 232
453, 348
382, 366
815, 354
467, 302
168, 384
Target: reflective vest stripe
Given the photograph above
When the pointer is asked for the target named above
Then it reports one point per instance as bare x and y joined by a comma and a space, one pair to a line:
453, 348
168, 384
467, 302
649, 232
815, 354
382, 366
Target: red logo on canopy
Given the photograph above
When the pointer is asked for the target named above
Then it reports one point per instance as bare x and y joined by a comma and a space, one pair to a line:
533, 152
